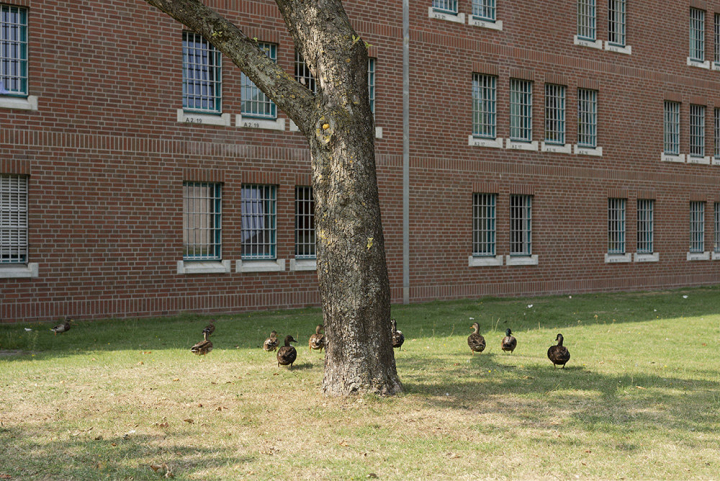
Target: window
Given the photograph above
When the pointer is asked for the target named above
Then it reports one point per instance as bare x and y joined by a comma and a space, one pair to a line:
445, 6
259, 231
697, 227
484, 224
254, 102
13, 219
717, 38
202, 221
616, 226
521, 110
520, 225
616, 22
717, 133
302, 73
484, 9
697, 130
672, 128
717, 228
586, 17
697, 34
201, 75
371, 84
13, 50
555, 114
304, 223
484, 106
645, 226
587, 118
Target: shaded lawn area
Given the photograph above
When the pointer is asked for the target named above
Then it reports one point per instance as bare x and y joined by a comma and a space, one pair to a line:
640, 397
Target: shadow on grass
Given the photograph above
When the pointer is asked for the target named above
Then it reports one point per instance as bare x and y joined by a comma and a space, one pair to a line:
85, 457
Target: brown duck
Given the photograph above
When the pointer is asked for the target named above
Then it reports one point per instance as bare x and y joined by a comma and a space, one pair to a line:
559, 355
210, 328
475, 340
509, 343
60, 328
202, 347
397, 336
271, 343
317, 340
287, 354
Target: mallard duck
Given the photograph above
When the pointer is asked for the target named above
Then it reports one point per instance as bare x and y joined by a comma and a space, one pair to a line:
60, 328
397, 336
475, 340
559, 355
271, 343
287, 354
317, 340
202, 347
210, 328
509, 343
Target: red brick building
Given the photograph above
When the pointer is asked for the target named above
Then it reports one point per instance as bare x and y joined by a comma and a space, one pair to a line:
552, 147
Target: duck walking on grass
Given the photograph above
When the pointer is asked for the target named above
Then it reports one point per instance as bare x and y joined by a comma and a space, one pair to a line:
397, 336
559, 355
509, 343
271, 343
210, 328
317, 340
475, 340
60, 328
202, 347
287, 354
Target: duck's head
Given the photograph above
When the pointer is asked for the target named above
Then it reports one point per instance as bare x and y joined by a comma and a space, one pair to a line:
393, 323
273, 335
289, 339
475, 327
508, 332
559, 339
319, 328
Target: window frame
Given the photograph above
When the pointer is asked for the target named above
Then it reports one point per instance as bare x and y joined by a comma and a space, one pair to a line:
485, 10
617, 23
14, 218
484, 230
259, 216
449, 7
15, 82
248, 89
645, 226
521, 225
305, 223
697, 130
671, 128
587, 118
521, 110
587, 20
616, 233
210, 221
697, 34
484, 106
212, 85
303, 74
555, 113
697, 227
372, 63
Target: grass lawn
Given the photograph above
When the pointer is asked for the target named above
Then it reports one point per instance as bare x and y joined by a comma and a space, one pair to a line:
639, 399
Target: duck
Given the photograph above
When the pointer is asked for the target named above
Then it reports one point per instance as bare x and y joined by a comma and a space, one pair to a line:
202, 347
317, 340
397, 336
509, 343
287, 354
63, 327
210, 328
559, 355
271, 343
475, 340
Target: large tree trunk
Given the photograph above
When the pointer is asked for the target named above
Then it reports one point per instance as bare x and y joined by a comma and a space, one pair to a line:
339, 127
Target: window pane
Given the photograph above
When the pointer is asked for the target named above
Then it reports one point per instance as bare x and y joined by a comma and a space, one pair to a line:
484, 106
254, 102
587, 118
201, 75
586, 19
697, 34
616, 226
521, 110
645, 226
484, 224
697, 227
697, 130
13, 219
449, 6
259, 232
616, 25
371, 84
554, 114
520, 225
202, 221
484, 9
672, 128
302, 73
304, 223
13, 50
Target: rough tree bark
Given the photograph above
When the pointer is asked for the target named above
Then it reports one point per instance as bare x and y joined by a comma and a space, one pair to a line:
339, 127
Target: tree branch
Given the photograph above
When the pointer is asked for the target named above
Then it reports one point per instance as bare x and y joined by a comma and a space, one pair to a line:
289, 96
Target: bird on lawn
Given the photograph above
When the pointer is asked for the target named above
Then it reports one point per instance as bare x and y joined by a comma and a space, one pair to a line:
317, 340
475, 340
202, 347
397, 336
210, 328
509, 343
271, 343
559, 355
287, 354
63, 327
